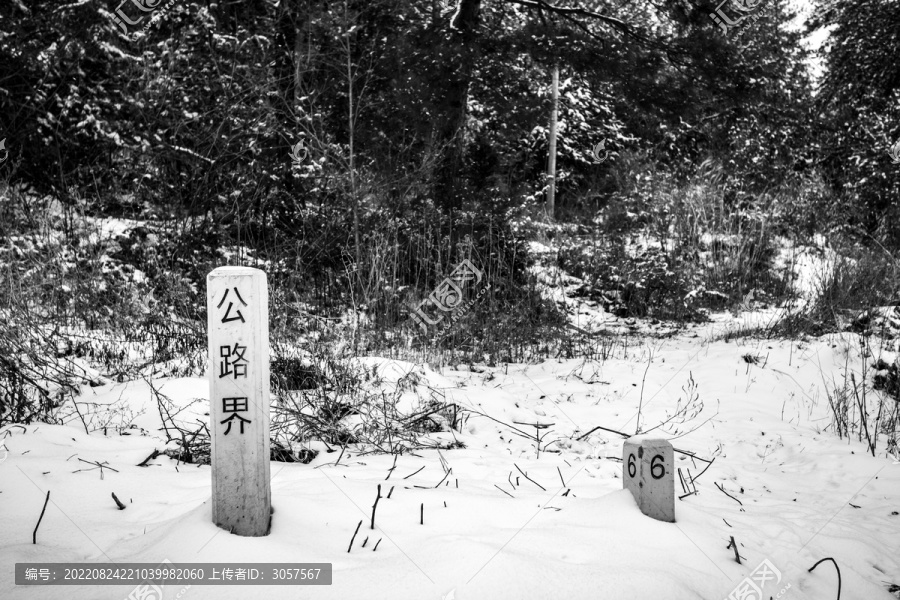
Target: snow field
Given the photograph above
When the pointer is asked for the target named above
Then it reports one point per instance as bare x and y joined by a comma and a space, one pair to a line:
795, 483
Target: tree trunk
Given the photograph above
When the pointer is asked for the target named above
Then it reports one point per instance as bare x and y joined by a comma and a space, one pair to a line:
551, 166
461, 41
351, 124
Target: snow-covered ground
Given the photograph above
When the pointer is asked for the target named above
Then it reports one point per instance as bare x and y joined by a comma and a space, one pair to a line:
799, 493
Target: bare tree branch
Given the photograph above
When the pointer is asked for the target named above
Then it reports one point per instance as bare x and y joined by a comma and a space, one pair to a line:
572, 12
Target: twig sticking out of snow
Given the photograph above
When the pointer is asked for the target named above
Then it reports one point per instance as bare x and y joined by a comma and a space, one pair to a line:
835, 566
354, 536
422, 514
690, 479
581, 437
727, 494
153, 455
446, 475
637, 427
411, 474
687, 483
102, 465
538, 438
693, 456
529, 478
374, 506
505, 492
693, 479
34, 535
391, 470
9, 432
390, 492
376, 545
733, 544
118, 502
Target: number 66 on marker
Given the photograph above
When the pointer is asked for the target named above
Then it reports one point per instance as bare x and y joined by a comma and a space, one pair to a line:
648, 472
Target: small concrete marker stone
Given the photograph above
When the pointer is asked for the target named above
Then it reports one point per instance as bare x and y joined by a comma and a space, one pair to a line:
238, 318
648, 473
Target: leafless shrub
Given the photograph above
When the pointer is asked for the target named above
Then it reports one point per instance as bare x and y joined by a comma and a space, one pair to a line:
341, 402
861, 407
76, 317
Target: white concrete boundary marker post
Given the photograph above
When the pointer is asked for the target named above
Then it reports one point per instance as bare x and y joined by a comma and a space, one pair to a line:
238, 316
648, 472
